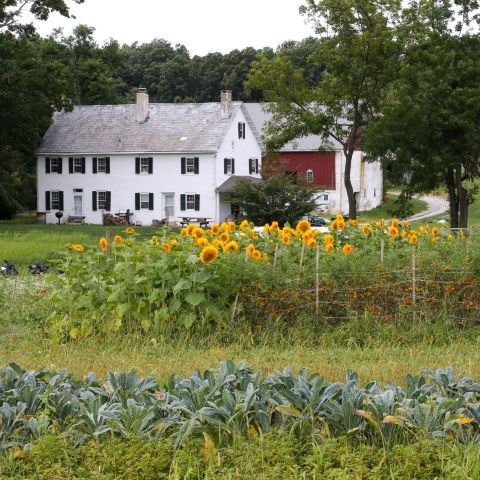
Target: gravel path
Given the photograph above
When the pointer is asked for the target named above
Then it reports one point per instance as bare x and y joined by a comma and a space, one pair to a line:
435, 206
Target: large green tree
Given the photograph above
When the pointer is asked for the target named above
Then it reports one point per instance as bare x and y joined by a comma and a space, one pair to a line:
429, 133
360, 48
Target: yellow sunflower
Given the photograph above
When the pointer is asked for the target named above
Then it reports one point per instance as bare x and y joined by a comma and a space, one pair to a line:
224, 237
340, 223
208, 254
303, 226
435, 231
201, 242
353, 223
393, 232
197, 232
231, 246
413, 239
328, 239
366, 230
190, 228
214, 229
77, 247
117, 239
129, 230
244, 226
311, 243
347, 249
166, 247
286, 239
103, 243
250, 249
256, 255
329, 247
395, 223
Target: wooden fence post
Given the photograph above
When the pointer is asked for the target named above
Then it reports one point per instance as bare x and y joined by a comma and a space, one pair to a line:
302, 253
275, 256
317, 281
382, 249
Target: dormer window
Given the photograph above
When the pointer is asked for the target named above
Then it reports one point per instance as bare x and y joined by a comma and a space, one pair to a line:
309, 176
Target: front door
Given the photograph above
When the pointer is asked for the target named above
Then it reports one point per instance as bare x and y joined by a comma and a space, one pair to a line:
77, 205
169, 202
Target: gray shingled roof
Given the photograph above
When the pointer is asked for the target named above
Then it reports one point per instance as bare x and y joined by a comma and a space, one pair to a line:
309, 143
230, 182
170, 127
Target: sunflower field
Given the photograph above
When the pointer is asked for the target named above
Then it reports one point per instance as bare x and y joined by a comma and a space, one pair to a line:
229, 276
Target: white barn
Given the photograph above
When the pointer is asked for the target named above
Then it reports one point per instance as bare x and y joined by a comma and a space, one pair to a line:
156, 160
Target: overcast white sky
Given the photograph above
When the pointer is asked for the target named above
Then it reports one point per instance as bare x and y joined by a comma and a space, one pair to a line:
201, 25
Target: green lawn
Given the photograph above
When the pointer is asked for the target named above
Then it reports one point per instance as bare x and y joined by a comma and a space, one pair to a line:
24, 243
382, 211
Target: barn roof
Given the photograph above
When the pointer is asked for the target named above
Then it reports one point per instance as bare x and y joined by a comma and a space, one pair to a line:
310, 143
170, 127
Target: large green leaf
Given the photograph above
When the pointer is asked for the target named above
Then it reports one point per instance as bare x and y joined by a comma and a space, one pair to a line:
194, 298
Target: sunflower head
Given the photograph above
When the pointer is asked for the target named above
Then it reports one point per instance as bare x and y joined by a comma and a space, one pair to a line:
201, 242
395, 223
311, 243
214, 229
190, 228
329, 247
250, 249
77, 247
117, 239
366, 230
244, 226
347, 249
393, 231
166, 247
435, 231
256, 255
353, 223
413, 240
231, 246
328, 239
303, 226
224, 237
208, 254
103, 243
197, 232
129, 230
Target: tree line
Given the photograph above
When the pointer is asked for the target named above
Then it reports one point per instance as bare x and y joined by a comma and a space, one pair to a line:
398, 79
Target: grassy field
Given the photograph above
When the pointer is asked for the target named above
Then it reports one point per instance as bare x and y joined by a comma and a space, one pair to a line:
382, 211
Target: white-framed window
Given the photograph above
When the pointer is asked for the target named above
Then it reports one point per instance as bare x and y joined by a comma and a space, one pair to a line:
241, 130
309, 175
102, 165
190, 201
190, 165
144, 165
253, 165
102, 200
55, 196
145, 201
55, 165
77, 165
229, 166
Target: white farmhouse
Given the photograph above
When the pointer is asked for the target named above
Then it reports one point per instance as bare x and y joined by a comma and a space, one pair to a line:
156, 160
323, 166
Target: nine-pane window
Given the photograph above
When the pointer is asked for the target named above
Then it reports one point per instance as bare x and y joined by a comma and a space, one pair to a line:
144, 166
55, 200
101, 165
55, 165
190, 165
229, 166
102, 200
309, 176
190, 201
144, 200
77, 165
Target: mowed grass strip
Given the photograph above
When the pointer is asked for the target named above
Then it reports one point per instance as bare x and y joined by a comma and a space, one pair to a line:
27, 243
388, 364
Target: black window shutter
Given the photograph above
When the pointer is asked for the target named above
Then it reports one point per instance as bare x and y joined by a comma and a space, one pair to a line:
256, 165
60, 164
183, 168
108, 201
150, 201
250, 166
70, 164
196, 162
197, 202
94, 201
83, 164
244, 131
137, 168
239, 130
233, 165
94, 164
47, 200
47, 165
150, 165
60, 198
137, 201
182, 202
107, 164
225, 160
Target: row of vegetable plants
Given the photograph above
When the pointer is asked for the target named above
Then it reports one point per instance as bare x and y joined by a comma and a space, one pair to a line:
219, 405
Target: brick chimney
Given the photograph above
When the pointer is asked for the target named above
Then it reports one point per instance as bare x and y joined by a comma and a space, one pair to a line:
142, 105
226, 101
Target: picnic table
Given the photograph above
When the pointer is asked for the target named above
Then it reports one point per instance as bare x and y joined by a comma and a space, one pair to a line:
202, 221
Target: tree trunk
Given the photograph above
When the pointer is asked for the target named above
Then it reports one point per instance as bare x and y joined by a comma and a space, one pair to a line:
452, 197
462, 199
352, 202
